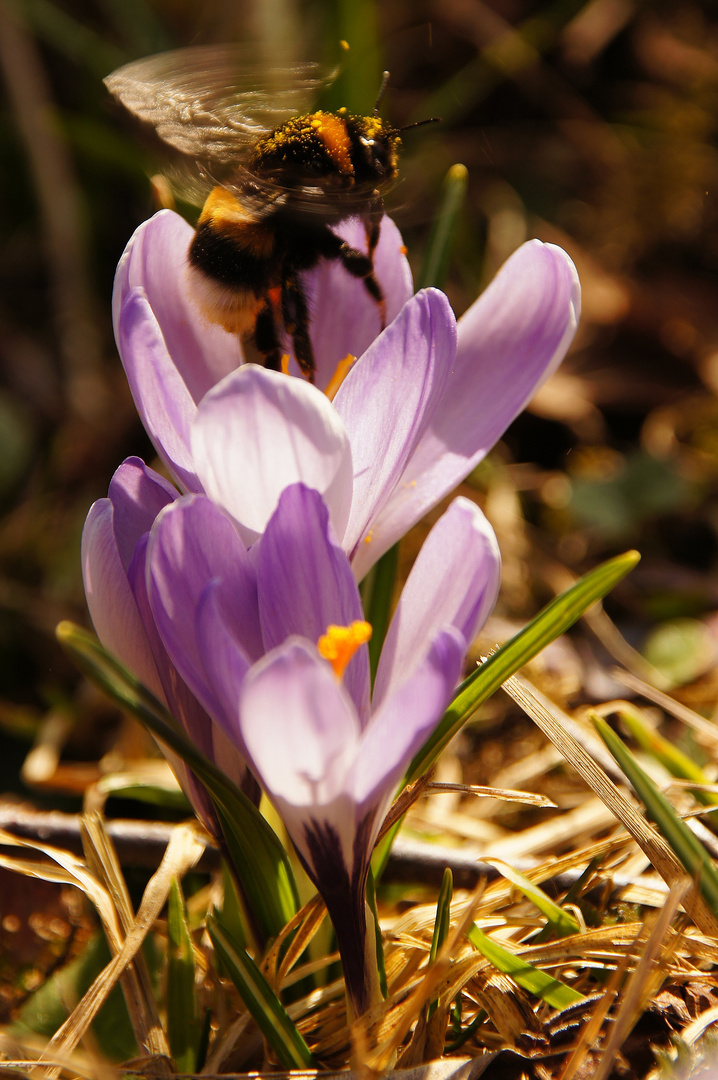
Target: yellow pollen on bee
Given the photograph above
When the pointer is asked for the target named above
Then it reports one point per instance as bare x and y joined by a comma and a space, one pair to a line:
340, 373
340, 643
332, 130
284, 364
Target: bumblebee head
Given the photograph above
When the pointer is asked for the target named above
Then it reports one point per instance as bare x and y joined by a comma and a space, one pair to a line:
375, 149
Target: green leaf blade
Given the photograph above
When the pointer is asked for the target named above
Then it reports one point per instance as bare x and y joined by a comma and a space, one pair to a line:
560, 921
435, 267
183, 1027
551, 990
684, 843
261, 1001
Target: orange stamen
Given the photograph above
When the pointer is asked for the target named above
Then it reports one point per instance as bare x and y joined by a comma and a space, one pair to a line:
284, 364
340, 373
340, 643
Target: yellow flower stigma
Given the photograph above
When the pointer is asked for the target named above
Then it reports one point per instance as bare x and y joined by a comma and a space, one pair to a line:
342, 370
340, 643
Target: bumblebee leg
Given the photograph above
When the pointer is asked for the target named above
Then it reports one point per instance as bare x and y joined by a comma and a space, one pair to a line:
372, 225
266, 338
356, 262
361, 266
296, 319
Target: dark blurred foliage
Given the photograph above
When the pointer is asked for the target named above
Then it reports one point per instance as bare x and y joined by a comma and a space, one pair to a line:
590, 124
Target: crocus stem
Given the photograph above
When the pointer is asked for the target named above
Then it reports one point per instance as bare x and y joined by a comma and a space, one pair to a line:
354, 927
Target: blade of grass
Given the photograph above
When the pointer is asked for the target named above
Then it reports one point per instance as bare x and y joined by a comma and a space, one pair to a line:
261, 1001
674, 760
441, 925
652, 843
684, 843
260, 859
547, 987
435, 266
377, 592
183, 1027
561, 922
183, 853
443, 914
371, 900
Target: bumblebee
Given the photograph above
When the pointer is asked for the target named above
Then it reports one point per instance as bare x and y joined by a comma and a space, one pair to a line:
271, 178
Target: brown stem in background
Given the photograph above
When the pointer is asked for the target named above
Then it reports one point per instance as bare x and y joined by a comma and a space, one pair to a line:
58, 196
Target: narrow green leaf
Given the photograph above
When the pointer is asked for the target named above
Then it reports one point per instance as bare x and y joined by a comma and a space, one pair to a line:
204, 1037
357, 23
531, 978
152, 794
441, 926
674, 760
183, 1027
549, 624
231, 914
261, 1001
260, 860
371, 900
377, 591
437, 255
561, 922
461, 1036
684, 843
443, 914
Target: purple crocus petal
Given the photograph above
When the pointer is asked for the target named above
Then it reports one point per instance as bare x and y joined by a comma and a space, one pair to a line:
256, 433
453, 582
510, 340
306, 583
223, 658
403, 723
301, 733
155, 260
387, 402
183, 706
163, 401
345, 319
138, 494
191, 544
110, 599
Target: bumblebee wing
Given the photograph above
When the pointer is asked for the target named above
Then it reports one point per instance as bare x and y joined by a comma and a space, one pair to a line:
209, 103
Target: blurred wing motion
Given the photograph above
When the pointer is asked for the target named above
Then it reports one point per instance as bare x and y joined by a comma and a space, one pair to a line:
209, 103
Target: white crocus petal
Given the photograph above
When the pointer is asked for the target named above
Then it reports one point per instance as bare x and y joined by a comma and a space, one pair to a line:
301, 732
299, 725
256, 433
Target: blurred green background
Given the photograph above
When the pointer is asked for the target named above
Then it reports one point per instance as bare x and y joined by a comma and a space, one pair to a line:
589, 124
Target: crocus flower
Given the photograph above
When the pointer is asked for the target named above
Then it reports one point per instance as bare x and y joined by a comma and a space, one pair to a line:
114, 542
248, 633
423, 404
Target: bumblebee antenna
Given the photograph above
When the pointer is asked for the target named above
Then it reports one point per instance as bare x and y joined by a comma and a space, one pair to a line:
420, 123
382, 91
